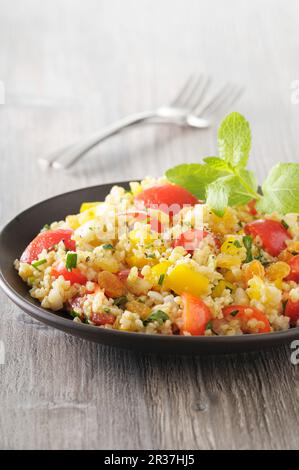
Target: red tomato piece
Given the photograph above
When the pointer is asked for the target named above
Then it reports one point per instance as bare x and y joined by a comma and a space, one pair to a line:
245, 313
292, 311
251, 206
191, 239
196, 315
46, 240
75, 276
103, 318
294, 265
169, 198
272, 234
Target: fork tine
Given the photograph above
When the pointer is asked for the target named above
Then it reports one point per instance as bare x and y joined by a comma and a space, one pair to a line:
202, 92
226, 95
194, 90
227, 100
182, 93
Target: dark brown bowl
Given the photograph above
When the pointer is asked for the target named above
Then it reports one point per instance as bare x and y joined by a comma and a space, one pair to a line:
22, 229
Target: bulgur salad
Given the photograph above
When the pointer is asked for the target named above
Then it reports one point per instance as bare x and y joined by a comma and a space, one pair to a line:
198, 251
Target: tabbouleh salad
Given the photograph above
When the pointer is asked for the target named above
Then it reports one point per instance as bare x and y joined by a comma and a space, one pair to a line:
197, 252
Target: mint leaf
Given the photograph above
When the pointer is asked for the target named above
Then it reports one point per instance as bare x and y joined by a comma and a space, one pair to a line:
281, 189
230, 190
234, 140
242, 188
218, 195
218, 164
194, 177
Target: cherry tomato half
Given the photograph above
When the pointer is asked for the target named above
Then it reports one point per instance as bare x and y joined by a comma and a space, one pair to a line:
272, 234
244, 314
294, 265
169, 198
46, 240
75, 276
292, 311
196, 315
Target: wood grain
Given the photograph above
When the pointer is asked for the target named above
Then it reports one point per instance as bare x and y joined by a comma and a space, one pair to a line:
70, 67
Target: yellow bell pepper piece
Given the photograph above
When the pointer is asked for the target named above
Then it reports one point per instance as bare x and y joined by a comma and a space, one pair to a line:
218, 290
183, 279
160, 269
88, 205
139, 262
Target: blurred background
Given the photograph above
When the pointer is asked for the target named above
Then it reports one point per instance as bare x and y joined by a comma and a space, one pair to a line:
69, 67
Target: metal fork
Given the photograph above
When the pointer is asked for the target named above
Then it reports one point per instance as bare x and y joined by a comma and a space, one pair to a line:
192, 107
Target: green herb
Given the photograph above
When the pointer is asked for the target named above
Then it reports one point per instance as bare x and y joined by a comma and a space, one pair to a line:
224, 180
107, 246
234, 140
74, 314
237, 244
284, 304
261, 258
71, 260
38, 263
158, 316
120, 301
150, 255
45, 228
161, 279
107, 309
281, 189
285, 225
234, 313
209, 325
247, 241
194, 177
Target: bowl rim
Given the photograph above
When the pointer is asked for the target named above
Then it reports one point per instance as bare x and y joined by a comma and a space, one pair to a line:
52, 318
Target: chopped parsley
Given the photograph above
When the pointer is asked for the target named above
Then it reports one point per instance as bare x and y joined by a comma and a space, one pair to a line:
38, 263
107, 246
161, 279
234, 313
247, 241
74, 314
71, 260
45, 228
209, 325
150, 255
285, 225
237, 243
158, 316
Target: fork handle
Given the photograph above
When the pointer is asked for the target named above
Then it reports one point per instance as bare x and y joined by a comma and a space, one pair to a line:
64, 158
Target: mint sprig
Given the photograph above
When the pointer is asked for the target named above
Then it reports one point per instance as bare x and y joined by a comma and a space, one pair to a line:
224, 180
281, 189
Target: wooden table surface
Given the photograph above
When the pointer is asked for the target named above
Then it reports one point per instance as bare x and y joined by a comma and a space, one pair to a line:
68, 68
